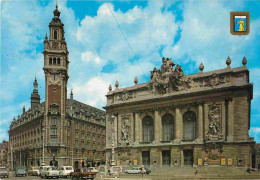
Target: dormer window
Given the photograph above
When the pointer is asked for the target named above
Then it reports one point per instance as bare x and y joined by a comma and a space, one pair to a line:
55, 34
50, 60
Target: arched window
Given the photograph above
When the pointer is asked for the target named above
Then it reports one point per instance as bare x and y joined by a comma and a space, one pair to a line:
50, 60
189, 126
148, 129
167, 124
54, 60
55, 34
58, 61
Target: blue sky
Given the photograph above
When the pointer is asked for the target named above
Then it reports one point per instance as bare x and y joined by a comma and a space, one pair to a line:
190, 32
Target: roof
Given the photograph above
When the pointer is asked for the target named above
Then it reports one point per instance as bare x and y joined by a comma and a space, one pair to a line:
72, 105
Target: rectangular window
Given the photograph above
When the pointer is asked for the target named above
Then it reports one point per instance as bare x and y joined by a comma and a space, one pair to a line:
54, 131
54, 122
82, 136
76, 135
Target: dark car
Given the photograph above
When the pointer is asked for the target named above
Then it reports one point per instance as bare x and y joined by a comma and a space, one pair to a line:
21, 171
4, 172
147, 171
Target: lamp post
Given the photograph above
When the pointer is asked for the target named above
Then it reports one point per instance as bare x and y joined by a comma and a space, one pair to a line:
43, 161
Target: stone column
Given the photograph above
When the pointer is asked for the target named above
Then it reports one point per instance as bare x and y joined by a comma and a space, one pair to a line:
132, 128
157, 123
115, 127
160, 158
230, 120
182, 158
200, 123
137, 131
178, 126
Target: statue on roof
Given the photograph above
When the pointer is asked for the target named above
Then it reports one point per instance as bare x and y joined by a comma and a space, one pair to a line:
168, 79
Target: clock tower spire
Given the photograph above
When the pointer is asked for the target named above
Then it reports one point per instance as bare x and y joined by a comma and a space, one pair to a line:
56, 62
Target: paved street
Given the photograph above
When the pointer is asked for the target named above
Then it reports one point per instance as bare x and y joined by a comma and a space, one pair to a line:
178, 174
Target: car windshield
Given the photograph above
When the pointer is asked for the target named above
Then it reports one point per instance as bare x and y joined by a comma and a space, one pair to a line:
52, 168
68, 168
85, 170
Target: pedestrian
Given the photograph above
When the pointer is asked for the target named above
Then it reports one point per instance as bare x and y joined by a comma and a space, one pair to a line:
196, 172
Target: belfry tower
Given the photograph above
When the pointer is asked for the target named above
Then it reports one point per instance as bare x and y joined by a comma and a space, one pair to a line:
56, 77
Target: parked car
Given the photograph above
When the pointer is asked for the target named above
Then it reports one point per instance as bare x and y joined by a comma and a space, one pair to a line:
64, 171
50, 172
4, 172
20, 171
93, 169
84, 173
137, 170
43, 168
34, 171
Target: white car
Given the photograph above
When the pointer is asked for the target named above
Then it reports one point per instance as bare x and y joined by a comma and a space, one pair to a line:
65, 171
50, 172
93, 169
137, 170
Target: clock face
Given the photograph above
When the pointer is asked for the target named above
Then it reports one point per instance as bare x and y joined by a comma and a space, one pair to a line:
55, 78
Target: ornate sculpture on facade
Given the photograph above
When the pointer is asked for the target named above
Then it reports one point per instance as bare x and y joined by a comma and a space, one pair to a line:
54, 108
214, 80
125, 95
214, 132
125, 130
168, 79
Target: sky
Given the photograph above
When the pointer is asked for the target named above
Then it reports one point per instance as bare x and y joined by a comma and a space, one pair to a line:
104, 50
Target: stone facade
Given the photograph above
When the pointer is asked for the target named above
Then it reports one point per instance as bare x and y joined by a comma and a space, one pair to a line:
3, 153
177, 119
58, 131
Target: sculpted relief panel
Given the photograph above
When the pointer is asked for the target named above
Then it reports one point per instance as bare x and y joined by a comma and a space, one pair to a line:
125, 130
214, 116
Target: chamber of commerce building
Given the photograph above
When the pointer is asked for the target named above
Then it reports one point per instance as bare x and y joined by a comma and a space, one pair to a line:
58, 131
182, 120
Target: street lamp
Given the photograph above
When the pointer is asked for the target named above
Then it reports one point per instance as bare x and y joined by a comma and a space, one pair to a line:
43, 161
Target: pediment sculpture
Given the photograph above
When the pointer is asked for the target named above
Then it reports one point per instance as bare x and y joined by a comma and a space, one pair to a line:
169, 79
214, 115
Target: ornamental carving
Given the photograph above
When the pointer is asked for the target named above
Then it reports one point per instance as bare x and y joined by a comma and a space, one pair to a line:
214, 116
125, 138
214, 150
214, 80
125, 95
167, 79
54, 108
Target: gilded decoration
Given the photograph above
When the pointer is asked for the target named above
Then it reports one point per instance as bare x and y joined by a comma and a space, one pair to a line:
214, 116
169, 79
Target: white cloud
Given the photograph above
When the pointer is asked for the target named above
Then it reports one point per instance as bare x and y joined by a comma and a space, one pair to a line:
90, 57
92, 92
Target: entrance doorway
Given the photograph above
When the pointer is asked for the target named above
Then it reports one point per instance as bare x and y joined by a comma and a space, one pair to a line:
76, 164
166, 157
188, 157
146, 158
